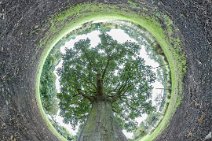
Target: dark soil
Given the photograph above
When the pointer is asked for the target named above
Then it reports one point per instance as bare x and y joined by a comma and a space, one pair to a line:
19, 23
193, 119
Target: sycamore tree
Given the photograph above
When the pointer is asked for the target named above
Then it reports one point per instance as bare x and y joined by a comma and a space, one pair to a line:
104, 88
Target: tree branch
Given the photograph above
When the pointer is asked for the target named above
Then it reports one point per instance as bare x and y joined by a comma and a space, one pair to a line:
90, 82
90, 63
90, 98
105, 69
121, 92
99, 83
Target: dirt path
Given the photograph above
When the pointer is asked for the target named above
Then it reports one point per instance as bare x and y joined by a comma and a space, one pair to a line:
21, 26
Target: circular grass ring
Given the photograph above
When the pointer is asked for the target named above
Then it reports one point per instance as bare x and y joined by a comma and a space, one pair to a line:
156, 23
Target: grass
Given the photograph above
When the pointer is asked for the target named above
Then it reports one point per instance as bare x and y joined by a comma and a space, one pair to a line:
74, 17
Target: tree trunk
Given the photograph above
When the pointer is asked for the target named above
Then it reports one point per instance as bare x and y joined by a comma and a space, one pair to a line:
101, 124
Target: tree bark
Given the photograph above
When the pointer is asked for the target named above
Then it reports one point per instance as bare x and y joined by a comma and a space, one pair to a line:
101, 124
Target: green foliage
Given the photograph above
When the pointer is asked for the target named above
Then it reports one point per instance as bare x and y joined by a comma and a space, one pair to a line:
155, 52
146, 126
152, 119
110, 71
63, 131
47, 86
141, 130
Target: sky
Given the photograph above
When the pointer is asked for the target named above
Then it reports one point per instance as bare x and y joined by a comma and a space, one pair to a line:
121, 37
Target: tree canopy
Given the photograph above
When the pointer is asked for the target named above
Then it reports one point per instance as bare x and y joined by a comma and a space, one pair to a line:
111, 71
